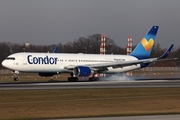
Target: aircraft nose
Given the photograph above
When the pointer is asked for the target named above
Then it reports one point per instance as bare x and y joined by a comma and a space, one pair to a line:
3, 63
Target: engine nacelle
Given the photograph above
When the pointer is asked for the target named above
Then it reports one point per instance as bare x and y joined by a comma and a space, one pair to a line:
46, 74
82, 71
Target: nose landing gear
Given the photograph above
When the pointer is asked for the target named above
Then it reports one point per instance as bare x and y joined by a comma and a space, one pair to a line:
15, 75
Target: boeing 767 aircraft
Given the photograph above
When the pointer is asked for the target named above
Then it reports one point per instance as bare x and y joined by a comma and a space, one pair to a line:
84, 65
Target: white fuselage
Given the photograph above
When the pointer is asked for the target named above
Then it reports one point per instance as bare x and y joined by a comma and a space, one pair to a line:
57, 62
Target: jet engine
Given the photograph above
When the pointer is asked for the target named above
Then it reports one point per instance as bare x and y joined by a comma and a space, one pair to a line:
82, 71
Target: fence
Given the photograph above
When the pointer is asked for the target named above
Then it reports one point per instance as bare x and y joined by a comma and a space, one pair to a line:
160, 69
5, 71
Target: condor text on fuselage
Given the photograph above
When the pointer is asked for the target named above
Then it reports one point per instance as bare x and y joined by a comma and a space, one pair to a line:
42, 60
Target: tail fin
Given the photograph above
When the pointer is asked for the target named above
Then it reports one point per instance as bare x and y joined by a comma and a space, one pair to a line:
55, 50
144, 48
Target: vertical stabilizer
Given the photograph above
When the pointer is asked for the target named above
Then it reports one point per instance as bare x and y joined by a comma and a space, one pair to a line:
144, 48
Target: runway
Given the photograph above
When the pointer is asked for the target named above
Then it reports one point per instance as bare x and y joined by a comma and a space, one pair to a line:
147, 117
84, 85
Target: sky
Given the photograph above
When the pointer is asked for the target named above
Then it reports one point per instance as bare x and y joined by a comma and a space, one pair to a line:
46, 22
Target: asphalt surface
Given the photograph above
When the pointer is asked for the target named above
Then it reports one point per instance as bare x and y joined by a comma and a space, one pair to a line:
147, 117
83, 85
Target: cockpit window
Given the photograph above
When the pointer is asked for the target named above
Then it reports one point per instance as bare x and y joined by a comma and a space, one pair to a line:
10, 58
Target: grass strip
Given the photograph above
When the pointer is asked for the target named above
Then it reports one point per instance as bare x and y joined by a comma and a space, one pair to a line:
42, 104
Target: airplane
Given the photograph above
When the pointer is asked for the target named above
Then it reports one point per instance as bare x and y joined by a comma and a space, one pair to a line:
85, 65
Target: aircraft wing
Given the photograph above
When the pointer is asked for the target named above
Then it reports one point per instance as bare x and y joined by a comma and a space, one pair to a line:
121, 64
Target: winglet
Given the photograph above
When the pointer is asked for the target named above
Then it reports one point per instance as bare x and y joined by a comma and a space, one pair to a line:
55, 50
167, 52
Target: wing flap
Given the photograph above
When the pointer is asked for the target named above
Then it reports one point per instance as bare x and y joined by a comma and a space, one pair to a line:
122, 64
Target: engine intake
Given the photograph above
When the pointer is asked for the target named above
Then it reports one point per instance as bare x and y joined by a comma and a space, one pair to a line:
82, 71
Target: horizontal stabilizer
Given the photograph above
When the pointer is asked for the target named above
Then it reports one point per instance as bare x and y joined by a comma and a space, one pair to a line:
167, 52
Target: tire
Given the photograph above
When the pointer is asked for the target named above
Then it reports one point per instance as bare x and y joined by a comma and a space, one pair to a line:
97, 79
90, 79
16, 79
72, 79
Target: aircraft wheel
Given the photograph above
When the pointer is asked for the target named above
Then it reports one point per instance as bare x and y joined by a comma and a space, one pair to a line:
97, 79
16, 78
90, 79
93, 79
75, 79
72, 79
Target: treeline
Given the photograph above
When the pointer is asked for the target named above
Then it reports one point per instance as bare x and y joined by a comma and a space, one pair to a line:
86, 45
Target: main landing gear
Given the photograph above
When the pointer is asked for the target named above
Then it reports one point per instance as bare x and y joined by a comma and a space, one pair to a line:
15, 75
75, 79
93, 79
72, 78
